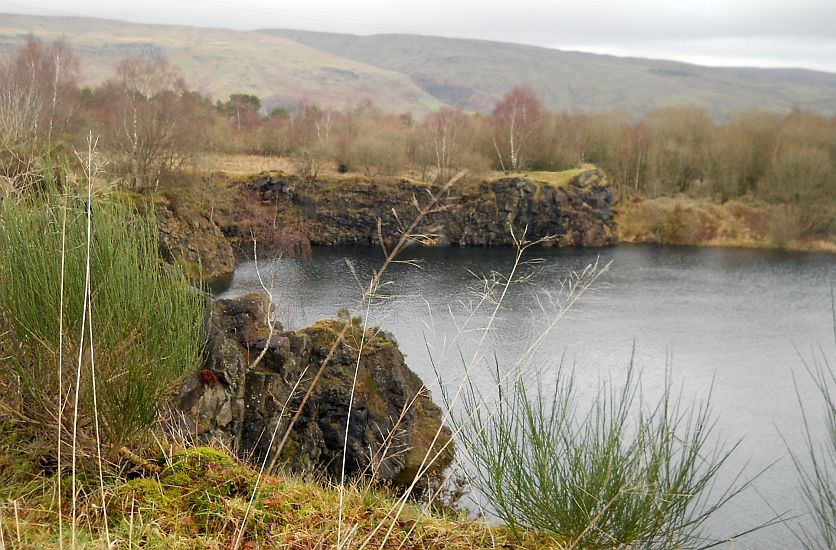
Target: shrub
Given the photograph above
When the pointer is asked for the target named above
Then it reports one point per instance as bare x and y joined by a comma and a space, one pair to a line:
784, 226
621, 475
679, 226
144, 319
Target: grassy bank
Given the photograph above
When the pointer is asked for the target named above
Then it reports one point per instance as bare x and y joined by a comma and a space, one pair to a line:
743, 222
199, 499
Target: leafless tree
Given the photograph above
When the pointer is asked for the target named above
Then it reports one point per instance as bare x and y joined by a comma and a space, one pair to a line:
38, 92
516, 118
147, 115
447, 130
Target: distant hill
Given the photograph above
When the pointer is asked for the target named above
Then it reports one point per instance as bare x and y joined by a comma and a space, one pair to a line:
472, 74
222, 62
419, 73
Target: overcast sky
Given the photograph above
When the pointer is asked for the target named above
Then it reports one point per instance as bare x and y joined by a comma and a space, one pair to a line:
765, 33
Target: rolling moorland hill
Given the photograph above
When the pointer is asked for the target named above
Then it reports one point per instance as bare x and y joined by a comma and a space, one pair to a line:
419, 73
221, 62
473, 74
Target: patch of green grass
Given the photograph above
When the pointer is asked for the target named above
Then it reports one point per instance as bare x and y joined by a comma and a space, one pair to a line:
199, 500
559, 180
540, 179
144, 318
624, 473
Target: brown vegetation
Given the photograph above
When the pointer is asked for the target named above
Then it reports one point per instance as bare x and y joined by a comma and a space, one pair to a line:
38, 96
743, 222
151, 126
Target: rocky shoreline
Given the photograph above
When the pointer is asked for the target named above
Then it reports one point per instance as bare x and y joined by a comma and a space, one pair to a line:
285, 213
359, 211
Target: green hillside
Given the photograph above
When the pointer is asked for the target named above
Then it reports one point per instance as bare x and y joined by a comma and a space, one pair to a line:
472, 74
419, 73
222, 62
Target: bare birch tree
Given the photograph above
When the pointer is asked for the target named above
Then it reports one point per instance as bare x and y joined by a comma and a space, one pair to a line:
516, 118
447, 130
38, 92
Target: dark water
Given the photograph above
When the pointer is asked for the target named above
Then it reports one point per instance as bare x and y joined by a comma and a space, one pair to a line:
737, 319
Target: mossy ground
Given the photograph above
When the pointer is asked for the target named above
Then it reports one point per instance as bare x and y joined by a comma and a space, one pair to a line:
541, 179
199, 499
555, 179
325, 331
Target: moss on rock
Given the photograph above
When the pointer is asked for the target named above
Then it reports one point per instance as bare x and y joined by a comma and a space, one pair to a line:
390, 415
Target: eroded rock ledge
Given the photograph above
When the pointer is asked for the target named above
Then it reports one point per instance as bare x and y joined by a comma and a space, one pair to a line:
573, 207
190, 238
393, 419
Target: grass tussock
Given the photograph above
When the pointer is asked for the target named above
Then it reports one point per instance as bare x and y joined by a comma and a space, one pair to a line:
624, 473
816, 463
123, 319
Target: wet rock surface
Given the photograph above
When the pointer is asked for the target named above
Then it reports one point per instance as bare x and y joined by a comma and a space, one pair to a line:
393, 419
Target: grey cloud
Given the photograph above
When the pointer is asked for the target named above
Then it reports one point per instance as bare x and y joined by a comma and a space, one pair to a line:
617, 21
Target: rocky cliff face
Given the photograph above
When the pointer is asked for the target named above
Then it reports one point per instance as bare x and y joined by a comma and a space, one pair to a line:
393, 419
288, 213
577, 212
191, 239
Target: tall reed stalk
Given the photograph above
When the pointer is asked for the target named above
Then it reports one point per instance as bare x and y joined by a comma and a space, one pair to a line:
816, 464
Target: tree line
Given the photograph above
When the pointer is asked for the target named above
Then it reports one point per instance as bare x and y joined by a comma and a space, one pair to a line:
150, 125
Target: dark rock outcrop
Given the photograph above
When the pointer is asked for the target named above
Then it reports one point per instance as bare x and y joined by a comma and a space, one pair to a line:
574, 212
393, 419
286, 213
189, 238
